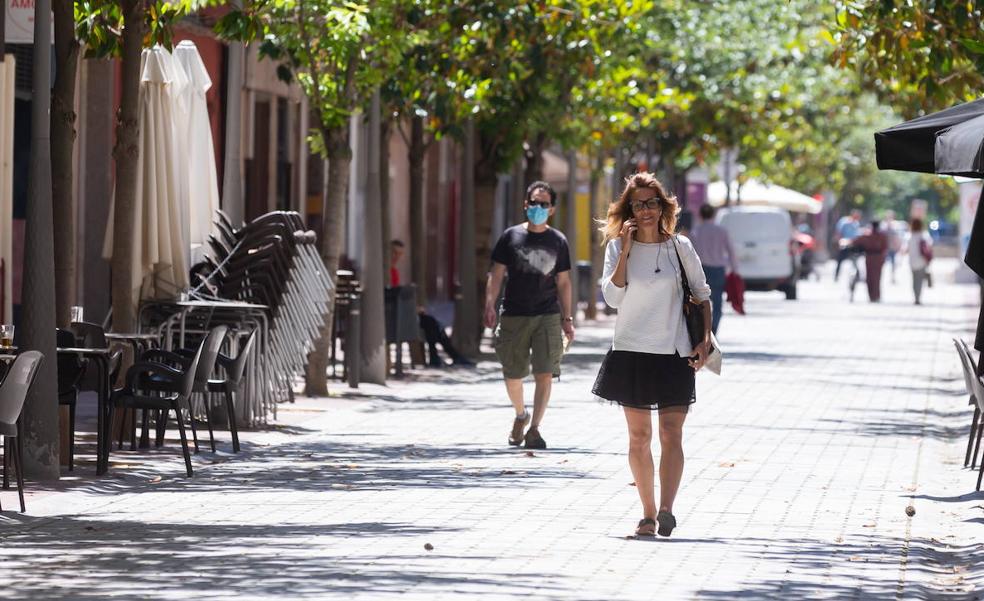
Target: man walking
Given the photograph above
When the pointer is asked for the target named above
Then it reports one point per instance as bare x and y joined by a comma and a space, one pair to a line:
713, 246
537, 308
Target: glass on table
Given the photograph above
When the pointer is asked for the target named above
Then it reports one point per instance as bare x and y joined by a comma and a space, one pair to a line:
6, 336
77, 314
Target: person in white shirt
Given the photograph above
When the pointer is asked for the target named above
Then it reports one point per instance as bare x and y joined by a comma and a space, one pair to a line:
651, 364
919, 247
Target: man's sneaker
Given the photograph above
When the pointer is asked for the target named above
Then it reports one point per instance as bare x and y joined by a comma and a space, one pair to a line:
534, 440
519, 424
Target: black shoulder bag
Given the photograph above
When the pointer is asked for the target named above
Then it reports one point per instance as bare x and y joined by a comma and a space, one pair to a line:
693, 312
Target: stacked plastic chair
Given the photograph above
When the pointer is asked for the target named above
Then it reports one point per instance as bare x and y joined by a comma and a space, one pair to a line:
265, 275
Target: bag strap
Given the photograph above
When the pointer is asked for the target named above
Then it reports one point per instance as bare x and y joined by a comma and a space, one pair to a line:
684, 279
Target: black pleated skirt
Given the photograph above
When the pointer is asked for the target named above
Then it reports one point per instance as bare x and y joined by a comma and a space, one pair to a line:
645, 380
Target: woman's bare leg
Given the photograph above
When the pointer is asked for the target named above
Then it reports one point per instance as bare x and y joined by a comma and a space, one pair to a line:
671, 455
640, 424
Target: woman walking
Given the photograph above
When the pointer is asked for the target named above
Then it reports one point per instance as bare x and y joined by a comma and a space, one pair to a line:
919, 246
651, 364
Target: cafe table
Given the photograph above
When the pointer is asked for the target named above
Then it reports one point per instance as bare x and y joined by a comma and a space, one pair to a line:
99, 356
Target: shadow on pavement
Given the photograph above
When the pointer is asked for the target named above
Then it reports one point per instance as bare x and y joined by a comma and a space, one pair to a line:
824, 570
137, 560
320, 465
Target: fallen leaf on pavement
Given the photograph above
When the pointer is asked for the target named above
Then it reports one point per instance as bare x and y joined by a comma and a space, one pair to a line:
871, 525
507, 472
429, 547
726, 464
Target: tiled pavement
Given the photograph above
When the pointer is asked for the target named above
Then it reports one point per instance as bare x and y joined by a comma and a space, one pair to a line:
829, 420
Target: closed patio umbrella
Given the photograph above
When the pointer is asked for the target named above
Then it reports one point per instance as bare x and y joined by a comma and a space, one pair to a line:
160, 262
195, 136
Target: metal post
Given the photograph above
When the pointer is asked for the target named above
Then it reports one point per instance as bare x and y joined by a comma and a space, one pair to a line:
353, 347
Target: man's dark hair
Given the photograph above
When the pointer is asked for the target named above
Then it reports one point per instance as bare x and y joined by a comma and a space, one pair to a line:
539, 185
706, 212
397, 243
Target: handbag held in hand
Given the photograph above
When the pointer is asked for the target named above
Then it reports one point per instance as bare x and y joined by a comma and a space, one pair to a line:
693, 316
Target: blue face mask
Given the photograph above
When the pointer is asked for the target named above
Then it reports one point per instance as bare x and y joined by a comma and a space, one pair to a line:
537, 214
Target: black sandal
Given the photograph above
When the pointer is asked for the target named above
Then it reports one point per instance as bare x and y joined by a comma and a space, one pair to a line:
666, 523
646, 527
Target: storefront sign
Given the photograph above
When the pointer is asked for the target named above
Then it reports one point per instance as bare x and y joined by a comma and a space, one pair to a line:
20, 21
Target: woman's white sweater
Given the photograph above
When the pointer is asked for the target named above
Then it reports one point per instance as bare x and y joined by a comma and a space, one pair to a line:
650, 305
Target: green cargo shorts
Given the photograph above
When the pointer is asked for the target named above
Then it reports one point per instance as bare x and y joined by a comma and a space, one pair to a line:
521, 340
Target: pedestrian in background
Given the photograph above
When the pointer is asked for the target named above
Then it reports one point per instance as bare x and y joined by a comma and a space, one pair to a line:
717, 255
651, 363
847, 229
537, 308
875, 246
894, 240
919, 247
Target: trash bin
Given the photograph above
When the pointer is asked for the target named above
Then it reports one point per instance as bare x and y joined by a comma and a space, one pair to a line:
402, 323
585, 283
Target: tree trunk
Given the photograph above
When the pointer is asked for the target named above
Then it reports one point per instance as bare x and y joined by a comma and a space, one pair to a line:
597, 209
467, 332
514, 212
572, 223
618, 174
63, 135
339, 157
385, 131
127, 155
39, 419
418, 237
534, 158
373, 322
232, 171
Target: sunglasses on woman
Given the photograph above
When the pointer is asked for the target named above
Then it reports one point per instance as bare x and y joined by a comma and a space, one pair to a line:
545, 204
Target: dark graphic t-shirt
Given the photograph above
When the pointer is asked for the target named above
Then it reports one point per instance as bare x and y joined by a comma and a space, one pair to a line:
532, 262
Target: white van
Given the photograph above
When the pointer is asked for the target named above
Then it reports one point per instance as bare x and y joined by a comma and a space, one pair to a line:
762, 239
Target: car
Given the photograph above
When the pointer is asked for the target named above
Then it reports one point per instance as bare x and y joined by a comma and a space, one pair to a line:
763, 240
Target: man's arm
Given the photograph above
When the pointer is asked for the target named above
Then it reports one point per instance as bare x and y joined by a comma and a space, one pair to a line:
492, 288
566, 297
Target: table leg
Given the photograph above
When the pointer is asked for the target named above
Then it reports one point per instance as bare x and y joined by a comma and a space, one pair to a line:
102, 427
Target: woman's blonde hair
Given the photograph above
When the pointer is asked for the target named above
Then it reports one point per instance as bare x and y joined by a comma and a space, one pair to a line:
621, 209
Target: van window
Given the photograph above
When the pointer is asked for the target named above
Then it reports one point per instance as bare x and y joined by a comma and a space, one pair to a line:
756, 226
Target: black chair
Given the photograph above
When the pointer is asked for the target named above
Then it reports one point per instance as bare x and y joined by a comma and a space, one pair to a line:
173, 386
71, 368
13, 392
181, 359
235, 369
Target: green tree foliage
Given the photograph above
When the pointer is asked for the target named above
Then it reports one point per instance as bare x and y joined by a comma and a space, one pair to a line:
918, 56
